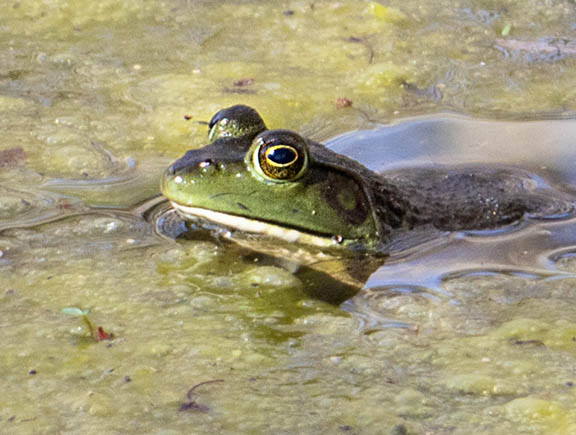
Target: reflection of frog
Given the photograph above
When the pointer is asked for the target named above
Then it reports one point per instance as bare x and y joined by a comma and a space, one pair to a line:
278, 183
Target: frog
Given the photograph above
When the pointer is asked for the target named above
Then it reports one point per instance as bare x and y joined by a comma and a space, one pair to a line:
279, 184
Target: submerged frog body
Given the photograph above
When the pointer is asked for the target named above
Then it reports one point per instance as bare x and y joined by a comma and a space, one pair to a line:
278, 183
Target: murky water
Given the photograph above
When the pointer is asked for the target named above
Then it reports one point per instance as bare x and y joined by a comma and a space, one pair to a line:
474, 333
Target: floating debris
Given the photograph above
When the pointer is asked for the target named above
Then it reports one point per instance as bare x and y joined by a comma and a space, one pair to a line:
12, 157
192, 405
342, 102
244, 82
96, 332
544, 49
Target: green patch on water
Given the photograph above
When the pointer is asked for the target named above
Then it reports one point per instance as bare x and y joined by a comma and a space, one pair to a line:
95, 96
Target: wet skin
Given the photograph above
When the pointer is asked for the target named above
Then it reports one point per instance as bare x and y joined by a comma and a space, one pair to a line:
276, 182
327, 218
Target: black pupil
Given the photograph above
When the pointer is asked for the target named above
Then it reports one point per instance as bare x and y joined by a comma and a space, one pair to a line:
282, 156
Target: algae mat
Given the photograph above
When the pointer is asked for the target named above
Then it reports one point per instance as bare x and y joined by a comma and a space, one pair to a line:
97, 97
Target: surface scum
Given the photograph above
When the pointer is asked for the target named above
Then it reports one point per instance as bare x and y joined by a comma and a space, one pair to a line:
98, 97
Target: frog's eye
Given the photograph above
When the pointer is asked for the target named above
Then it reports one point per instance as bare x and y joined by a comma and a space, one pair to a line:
280, 155
236, 121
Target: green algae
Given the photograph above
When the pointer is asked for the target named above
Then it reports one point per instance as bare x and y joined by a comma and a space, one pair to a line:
138, 79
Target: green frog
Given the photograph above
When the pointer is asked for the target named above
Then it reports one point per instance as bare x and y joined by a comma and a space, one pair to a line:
279, 184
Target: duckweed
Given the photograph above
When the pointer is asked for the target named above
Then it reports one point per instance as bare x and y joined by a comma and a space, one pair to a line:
86, 87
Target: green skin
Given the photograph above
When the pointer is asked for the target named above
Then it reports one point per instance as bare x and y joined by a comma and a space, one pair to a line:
327, 200
231, 185
335, 201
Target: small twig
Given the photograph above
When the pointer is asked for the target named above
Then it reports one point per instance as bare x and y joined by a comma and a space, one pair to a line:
191, 390
191, 404
366, 44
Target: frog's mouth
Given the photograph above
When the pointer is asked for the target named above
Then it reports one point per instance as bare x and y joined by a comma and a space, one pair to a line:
241, 223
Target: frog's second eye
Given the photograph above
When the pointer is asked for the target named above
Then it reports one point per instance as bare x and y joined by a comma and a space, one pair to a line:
236, 121
280, 156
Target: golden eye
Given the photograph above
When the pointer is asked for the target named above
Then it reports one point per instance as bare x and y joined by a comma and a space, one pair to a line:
280, 156
280, 162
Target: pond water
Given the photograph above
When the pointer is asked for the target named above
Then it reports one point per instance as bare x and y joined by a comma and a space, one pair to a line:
475, 334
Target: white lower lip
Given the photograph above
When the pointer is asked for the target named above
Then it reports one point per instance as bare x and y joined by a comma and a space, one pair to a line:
252, 226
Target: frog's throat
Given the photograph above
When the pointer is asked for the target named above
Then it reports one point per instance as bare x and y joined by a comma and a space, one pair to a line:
254, 226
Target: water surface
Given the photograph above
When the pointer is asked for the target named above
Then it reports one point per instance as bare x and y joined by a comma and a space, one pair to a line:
97, 97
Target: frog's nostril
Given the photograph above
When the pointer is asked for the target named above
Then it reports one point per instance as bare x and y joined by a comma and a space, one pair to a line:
206, 163
171, 170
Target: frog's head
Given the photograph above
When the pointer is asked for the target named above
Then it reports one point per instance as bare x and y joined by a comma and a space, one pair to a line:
271, 182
